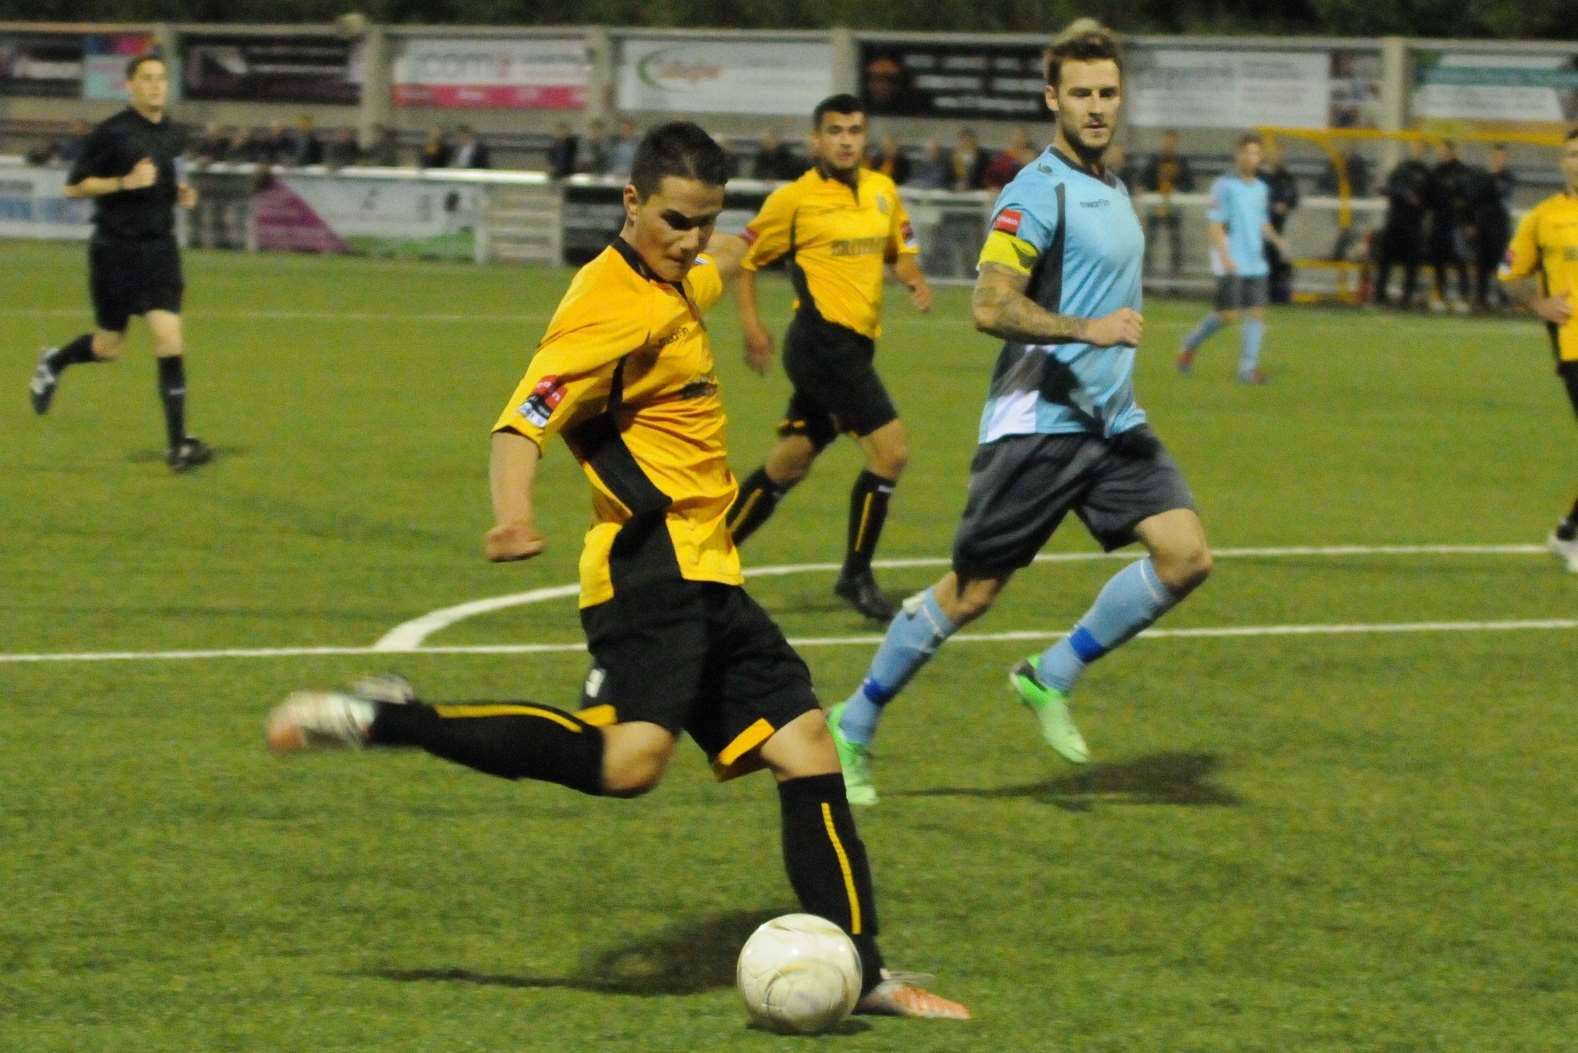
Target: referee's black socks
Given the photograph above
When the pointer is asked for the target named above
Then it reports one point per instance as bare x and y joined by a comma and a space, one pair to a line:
759, 495
827, 863
1567, 529
868, 510
172, 392
513, 740
79, 350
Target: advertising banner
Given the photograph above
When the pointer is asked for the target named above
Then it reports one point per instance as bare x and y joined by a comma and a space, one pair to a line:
41, 64
964, 80
33, 205
690, 75
323, 69
104, 60
398, 217
1536, 92
497, 73
1196, 88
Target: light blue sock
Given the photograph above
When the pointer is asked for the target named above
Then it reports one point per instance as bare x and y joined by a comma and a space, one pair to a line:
1208, 327
1249, 353
916, 633
1133, 598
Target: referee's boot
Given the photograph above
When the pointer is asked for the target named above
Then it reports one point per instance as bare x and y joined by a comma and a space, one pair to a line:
860, 591
41, 389
188, 453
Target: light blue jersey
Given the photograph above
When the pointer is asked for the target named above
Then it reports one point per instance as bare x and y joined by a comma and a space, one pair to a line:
1089, 249
1244, 207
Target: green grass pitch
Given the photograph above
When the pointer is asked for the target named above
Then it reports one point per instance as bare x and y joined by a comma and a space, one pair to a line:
1324, 841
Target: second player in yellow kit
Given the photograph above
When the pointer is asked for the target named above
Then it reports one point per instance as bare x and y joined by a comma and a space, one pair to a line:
839, 227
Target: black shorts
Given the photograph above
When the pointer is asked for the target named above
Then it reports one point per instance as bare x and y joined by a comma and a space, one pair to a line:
699, 657
133, 277
1022, 486
836, 387
1568, 371
1235, 292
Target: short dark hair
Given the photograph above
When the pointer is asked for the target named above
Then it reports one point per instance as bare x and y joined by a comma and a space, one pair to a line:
137, 63
840, 103
1085, 40
1250, 138
678, 148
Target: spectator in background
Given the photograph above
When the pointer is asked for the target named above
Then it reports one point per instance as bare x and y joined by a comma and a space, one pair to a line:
931, 171
562, 151
1283, 198
1488, 227
1114, 160
774, 161
1007, 164
622, 151
435, 149
343, 151
306, 147
69, 147
256, 147
280, 143
1500, 174
1166, 173
383, 149
968, 162
1448, 201
888, 158
1355, 166
594, 148
469, 151
1402, 236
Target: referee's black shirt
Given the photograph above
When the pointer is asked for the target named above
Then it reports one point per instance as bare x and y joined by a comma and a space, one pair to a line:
111, 150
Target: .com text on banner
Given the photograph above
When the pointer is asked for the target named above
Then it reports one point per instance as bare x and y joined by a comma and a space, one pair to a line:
491, 73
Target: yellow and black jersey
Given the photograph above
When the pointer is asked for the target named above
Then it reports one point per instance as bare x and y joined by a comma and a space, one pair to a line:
838, 239
1547, 243
625, 375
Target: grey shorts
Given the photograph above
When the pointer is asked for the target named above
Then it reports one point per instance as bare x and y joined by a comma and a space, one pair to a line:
1022, 486
1235, 292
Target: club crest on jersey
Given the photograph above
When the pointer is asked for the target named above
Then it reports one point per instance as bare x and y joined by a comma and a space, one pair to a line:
1008, 221
540, 404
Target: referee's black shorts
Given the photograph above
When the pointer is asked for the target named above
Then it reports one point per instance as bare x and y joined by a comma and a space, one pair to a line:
133, 277
836, 387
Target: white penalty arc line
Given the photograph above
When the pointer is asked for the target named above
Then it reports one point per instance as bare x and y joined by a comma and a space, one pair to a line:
868, 639
414, 633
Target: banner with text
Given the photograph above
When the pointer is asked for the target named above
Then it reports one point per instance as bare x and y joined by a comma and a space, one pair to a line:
964, 80
104, 60
322, 69
41, 64
1189, 88
495, 73
33, 204
689, 75
1528, 92
400, 217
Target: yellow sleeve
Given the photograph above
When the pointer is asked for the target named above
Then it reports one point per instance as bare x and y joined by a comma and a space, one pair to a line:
1523, 254
768, 234
703, 284
571, 375
1015, 253
901, 236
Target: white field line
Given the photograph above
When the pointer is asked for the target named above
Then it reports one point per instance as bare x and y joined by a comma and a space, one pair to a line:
301, 316
410, 637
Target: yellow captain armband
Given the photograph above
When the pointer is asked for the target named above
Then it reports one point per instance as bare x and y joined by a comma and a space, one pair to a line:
1009, 251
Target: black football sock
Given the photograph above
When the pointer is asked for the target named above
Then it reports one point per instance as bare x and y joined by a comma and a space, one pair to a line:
827, 863
513, 740
1567, 529
759, 495
868, 510
79, 350
172, 390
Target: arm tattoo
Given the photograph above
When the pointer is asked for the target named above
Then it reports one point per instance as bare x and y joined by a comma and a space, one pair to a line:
1002, 309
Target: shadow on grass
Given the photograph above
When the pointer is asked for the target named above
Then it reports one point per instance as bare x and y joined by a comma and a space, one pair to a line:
221, 453
1160, 778
688, 958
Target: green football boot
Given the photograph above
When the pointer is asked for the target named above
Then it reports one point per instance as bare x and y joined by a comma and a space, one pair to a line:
855, 759
1051, 709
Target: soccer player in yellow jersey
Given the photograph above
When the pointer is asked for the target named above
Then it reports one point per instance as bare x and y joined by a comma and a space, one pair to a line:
624, 375
839, 227
1541, 271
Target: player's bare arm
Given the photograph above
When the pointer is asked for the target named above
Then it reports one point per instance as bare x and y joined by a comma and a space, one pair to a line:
759, 348
906, 268
143, 174
727, 252
1219, 242
512, 474
1272, 235
1001, 308
1558, 309
186, 196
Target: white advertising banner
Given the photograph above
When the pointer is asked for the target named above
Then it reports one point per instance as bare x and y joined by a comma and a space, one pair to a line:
403, 217
500, 73
689, 75
1192, 88
1497, 89
33, 204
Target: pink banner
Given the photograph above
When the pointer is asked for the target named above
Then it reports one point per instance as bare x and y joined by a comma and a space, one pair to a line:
286, 223
491, 97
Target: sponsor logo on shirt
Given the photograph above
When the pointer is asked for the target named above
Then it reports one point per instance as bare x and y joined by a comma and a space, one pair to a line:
540, 404
1007, 221
1100, 202
857, 246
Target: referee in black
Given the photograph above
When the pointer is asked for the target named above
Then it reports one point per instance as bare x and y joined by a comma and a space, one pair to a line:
128, 168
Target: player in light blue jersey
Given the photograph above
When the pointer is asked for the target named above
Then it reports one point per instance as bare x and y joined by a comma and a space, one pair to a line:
1060, 284
1240, 218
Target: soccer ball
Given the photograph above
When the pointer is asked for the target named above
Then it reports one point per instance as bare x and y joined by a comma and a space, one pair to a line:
799, 974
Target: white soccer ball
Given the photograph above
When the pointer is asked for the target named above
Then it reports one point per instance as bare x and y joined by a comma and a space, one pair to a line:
799, 974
